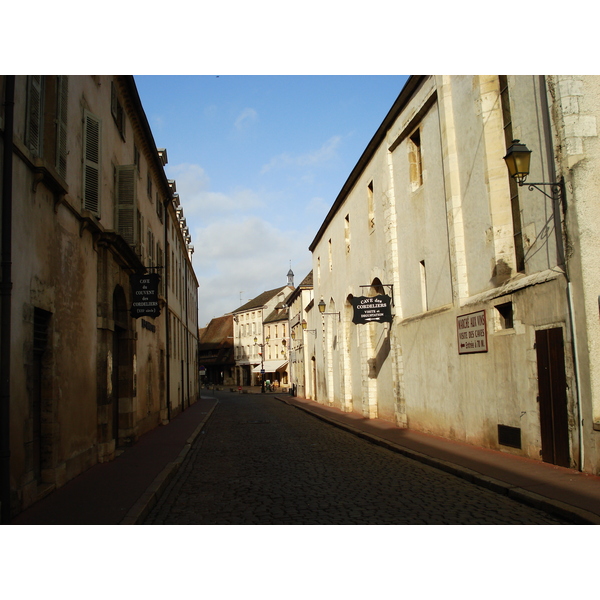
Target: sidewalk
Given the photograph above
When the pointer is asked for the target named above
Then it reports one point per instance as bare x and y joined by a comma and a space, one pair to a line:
563, 492
124, 490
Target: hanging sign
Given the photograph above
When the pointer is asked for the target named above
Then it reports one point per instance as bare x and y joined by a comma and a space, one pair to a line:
472, 333
145, 295
374, 309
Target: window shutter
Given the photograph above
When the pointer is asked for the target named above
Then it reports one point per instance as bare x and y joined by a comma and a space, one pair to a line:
34, 114
91, 163
62, 96
140, 237
126, 204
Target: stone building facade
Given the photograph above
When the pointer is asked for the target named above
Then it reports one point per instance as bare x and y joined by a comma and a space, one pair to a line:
215, 352
90, 208
300, 303
249, 325
492, 285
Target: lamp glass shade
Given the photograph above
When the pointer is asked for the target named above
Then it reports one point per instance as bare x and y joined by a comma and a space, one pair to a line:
255, 340
304, 324
321, 306
517, 160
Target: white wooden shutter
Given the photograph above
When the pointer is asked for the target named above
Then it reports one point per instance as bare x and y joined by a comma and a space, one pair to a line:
91, 163
126, 217
62, 96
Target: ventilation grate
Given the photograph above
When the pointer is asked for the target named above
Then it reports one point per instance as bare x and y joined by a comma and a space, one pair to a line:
509, 436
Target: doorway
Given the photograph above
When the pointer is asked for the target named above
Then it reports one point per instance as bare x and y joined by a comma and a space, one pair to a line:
552, 385
121, 373
41, 320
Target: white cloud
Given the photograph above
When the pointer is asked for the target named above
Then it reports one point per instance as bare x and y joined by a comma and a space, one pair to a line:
325, 153
198, 201
248, 256
247, 116
236, 250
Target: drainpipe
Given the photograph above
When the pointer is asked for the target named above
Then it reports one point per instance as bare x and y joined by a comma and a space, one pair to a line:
6, 298
167, 316
561, 256
187, 337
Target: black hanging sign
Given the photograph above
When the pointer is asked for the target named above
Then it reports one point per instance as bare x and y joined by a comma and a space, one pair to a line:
145, 295
374, 309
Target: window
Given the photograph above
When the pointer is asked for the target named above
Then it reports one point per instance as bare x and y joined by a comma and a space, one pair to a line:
91, 163
330, 256
35, 112
347, 233
46, 120
371, 206
136, 158
149, 186
160, 263
159, 208
62, 97
504, 313
126, 217
414, 160
117, 110
513, 186
423, 285
151, 262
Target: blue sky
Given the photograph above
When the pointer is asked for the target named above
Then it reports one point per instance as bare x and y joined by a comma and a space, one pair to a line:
258, 162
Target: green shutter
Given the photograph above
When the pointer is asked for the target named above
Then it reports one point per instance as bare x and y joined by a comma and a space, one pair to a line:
126, 208
91, 163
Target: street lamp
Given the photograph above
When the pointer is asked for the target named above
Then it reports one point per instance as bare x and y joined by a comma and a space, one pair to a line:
321, 306
262, 362
517, 160
305, 325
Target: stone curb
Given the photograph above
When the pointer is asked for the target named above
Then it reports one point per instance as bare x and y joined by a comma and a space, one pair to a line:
147, 501
579, 516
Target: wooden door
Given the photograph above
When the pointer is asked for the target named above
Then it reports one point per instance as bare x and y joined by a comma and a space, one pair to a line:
552, 385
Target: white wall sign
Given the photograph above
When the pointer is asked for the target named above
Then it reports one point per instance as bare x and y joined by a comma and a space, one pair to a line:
471, 330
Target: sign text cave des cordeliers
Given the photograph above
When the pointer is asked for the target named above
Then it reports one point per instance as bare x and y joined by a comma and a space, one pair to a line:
375, 309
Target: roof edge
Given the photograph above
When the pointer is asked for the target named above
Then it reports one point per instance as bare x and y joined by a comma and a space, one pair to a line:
410, 87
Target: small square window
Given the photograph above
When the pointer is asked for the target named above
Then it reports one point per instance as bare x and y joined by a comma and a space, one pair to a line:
504, 313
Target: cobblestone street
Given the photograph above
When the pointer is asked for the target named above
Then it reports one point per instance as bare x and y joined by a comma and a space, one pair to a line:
261, 461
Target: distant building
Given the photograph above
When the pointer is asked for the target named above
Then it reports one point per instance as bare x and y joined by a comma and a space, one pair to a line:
216, 352
493, 336
89, 364
250, 343
276, 336
302, 336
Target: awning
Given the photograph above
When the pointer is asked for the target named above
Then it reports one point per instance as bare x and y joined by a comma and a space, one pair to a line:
270, 366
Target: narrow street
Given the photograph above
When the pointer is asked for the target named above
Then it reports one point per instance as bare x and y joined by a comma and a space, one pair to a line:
260, 461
